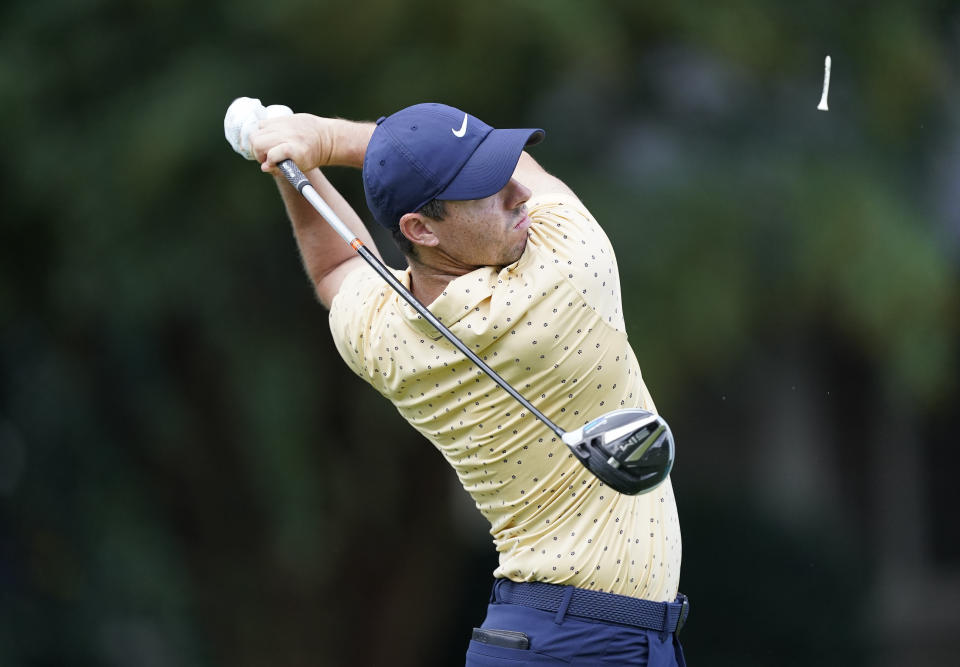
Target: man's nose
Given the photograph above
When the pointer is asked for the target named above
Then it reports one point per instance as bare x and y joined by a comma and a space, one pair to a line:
519, 193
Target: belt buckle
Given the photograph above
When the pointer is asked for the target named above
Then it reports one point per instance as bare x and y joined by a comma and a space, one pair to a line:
684, 612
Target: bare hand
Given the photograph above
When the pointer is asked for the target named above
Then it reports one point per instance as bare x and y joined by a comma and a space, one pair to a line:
301, 137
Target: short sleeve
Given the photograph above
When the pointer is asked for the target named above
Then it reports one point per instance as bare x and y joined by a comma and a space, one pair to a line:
350, 315
572, 240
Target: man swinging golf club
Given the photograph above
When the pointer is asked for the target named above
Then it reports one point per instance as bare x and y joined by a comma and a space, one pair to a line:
514, 268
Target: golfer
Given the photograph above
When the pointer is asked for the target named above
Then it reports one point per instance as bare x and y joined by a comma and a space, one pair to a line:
506, 256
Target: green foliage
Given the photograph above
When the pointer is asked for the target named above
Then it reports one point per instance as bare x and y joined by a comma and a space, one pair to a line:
196, 484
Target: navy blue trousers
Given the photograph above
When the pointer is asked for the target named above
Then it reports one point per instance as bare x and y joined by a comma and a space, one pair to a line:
571, 640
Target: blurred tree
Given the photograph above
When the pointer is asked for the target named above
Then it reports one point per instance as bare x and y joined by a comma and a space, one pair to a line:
188, 473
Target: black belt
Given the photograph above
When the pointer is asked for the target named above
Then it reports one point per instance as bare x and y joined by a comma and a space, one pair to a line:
609, 607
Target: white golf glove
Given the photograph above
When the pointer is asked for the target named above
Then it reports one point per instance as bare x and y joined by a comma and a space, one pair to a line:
243, 117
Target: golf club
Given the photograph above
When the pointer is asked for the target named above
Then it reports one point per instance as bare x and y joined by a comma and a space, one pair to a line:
631, 450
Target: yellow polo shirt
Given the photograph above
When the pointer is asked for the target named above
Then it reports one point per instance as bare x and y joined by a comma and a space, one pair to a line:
552, 325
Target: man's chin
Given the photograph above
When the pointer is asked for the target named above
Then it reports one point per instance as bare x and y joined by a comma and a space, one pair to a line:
519, 252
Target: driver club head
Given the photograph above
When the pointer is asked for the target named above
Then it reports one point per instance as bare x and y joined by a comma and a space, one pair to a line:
630, 450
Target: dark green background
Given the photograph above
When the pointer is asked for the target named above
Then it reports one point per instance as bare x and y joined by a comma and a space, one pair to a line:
189, 475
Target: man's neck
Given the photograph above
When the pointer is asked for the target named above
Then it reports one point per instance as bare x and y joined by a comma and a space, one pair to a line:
430, 273
427, 283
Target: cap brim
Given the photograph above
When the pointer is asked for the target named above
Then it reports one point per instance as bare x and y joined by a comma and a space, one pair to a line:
491, 165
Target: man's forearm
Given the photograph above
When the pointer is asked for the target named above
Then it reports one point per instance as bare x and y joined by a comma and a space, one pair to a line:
347, 141
321, 248
313, 142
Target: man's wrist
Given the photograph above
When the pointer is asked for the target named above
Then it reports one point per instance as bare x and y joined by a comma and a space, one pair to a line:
347, 140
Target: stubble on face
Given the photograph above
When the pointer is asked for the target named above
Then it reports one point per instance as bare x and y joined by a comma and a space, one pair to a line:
484, 232
497, 240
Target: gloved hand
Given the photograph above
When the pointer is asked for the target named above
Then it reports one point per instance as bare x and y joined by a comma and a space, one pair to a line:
243, 117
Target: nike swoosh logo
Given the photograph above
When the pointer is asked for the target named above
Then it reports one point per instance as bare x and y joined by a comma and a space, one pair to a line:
463, 128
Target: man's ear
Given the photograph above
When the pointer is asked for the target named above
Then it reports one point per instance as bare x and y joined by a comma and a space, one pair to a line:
418, 229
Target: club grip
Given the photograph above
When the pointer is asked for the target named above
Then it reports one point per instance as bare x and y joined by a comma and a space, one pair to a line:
293, 174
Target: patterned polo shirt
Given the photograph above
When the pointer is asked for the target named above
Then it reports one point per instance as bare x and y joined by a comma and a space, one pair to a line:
552, 325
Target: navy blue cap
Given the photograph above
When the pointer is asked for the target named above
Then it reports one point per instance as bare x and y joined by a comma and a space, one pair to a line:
434, 151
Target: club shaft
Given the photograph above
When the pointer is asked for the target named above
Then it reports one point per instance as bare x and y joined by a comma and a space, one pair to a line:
300, 182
